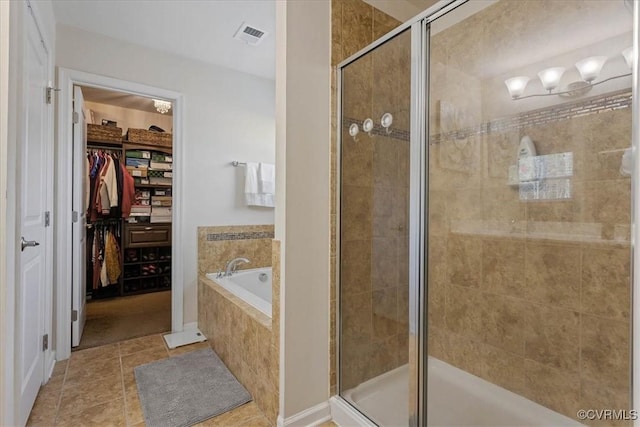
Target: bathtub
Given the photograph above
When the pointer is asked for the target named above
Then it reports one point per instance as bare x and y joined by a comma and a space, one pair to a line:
455, 398
246, 285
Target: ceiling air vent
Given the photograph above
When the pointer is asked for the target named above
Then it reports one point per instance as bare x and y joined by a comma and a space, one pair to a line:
250, 35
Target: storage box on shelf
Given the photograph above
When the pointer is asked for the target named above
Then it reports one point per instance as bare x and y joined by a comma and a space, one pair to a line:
104, 134
143, 136
152, 169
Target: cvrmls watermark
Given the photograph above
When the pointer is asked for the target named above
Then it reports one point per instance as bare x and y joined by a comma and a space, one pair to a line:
607, 414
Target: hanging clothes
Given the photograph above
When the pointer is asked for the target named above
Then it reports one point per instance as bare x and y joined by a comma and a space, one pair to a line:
112, 259
128, 191
105, 254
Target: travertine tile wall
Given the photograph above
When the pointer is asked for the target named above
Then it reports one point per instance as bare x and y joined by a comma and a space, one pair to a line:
220, 244
355, 24
246, 340
531, 295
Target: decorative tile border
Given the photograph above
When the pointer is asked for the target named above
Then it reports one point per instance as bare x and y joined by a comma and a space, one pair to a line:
597, 104
240, 236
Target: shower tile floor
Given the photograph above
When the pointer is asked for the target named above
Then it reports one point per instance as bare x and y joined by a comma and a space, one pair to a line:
97, 387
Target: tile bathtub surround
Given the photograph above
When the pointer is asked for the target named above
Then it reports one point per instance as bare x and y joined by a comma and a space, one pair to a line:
217, 245
97, 387
242, 337
246, 340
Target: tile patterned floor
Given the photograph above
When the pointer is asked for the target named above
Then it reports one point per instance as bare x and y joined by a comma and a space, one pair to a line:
97, 387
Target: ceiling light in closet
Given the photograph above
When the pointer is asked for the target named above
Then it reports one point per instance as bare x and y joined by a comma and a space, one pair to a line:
162, 106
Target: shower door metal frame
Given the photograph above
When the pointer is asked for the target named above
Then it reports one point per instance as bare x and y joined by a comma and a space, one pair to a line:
418, 200
634, 381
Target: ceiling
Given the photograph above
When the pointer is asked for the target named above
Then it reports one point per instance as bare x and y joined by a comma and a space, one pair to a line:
200, 30
120, 99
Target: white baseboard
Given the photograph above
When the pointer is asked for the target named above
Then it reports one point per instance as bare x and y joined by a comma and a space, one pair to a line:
50, 364
309, 417
344, 414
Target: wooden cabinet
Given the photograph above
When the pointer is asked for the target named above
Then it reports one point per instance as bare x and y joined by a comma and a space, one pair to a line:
147, 235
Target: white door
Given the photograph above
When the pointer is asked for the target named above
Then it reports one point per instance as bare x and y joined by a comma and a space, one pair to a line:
34, 169
79, 278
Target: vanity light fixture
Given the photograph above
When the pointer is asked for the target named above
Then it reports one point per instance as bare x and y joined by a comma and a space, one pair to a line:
516, 86
162, 106
550, 77
589, 69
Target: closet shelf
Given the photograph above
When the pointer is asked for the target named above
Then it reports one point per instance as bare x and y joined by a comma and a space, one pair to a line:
148, 276
147, 262
134, 145
154, 185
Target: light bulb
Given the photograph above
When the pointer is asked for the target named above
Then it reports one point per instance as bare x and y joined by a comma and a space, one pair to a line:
516, 86
550, 77
628, 56
589, 68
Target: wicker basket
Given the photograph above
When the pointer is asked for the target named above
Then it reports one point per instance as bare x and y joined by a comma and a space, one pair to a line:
101, 133
143, 136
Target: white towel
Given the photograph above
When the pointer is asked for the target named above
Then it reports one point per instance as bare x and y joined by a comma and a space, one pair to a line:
253, 196
267, 178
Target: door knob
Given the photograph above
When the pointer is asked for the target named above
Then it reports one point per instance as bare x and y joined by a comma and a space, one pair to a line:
28, 243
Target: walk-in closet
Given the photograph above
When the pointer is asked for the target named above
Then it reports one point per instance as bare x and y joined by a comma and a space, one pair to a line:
126, 177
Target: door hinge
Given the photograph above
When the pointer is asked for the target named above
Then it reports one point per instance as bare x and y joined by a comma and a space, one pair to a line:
47, 219
76, 118
74, 216
45, 342
74, 315
49, 95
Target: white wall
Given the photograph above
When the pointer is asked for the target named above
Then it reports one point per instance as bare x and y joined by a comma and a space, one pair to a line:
303, 70
127, 117
228, 116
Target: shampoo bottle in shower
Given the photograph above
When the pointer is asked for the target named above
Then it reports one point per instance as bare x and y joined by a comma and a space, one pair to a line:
526, 147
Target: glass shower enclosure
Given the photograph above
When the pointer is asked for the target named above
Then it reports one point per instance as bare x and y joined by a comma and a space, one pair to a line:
485, 186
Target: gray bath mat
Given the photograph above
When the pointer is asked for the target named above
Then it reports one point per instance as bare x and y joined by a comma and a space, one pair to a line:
184, 390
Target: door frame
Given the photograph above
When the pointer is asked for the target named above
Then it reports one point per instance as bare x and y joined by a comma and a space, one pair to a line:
67, 78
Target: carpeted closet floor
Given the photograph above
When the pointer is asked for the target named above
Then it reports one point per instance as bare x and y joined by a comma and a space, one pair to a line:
123, 318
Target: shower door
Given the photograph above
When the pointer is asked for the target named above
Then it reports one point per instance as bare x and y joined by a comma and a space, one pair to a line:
529, 213
484, 253
373, 327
